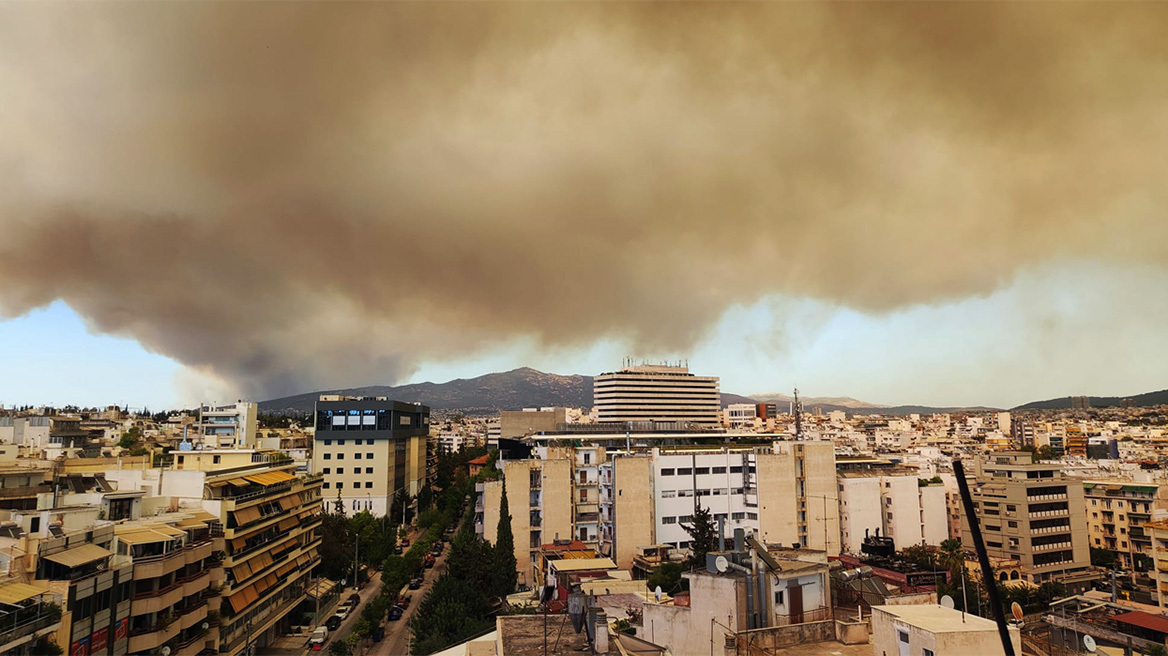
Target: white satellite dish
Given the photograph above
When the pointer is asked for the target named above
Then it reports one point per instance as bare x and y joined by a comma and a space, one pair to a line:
165, 651
1016, 611
947, 601
721, 564
657, 593
1089, 643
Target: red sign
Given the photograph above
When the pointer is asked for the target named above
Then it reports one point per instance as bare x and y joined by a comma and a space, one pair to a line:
100, 639
120, 629
80, 648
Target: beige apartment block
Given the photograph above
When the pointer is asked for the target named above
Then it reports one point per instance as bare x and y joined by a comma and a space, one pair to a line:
539, 499
934, 630
519, 423
1116, 513
657, 394
1032, 514
632, 514
1158, 532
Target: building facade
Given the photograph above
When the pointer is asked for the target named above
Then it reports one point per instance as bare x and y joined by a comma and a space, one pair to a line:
232, 426
657, 394
1032, 514
368, 450
894, 503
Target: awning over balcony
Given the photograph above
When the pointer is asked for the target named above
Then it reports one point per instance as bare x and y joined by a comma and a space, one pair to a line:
270, 478
145, 537
13, 593
246, 516
289, 502
79, 555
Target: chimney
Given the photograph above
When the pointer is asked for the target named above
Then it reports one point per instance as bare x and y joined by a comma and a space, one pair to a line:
600, 644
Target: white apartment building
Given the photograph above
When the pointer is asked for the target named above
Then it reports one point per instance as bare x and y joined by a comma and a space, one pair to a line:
893, 502
32, 432
738, 415
231, 426
785, 494
658, 394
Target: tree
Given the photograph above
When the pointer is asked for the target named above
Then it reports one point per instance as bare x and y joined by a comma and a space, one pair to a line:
951, 556
703, 535
1045, 452
503, 574
1103, 558
1155, 650
336, 547
668, 577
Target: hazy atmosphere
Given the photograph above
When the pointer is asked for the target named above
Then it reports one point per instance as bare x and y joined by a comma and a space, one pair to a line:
910, 203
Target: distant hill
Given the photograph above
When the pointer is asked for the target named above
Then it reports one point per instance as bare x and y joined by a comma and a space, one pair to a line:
845, 402
1064, 403
509, 390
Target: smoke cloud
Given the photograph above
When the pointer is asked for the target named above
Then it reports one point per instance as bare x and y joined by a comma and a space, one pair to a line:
305, 195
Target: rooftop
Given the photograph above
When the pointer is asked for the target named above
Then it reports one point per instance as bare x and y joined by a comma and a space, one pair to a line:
936, 618
523, 635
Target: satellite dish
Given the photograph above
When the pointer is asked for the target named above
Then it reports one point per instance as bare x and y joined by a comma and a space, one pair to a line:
1089, 643
206, 626
165, 651
947, 601
721, 563
1016, 609
657, 593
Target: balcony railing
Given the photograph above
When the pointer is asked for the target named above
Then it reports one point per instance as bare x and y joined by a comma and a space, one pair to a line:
22, 622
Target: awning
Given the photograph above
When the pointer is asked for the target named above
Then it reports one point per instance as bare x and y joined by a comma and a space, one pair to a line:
283, 571
241, 572
239, 482
289, 502
270, 478
144, 537
206, 516
246, 516
79, 555
239, 600
14, 592
217, 483
289, 524
191, 523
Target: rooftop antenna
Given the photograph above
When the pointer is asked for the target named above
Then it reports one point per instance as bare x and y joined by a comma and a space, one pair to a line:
798, 416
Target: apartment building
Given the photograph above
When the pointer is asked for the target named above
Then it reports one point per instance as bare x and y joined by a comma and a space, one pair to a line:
1157, 532
653, 393
1032, 514
231, 426
892, 502
369, 449
738, 415
784, 494
539, 500
30, 432
1116, 514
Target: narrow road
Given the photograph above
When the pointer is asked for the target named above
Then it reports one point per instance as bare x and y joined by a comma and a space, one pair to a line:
396, 638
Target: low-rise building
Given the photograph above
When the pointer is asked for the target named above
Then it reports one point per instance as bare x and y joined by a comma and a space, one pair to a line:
934, 630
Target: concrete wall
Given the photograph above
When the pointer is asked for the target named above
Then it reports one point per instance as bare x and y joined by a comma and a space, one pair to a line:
820, 484
518, 476
557, 500
634, 521
513, 424
860, 511
669, 626
935, 527
902, 512
765, 641
777, 521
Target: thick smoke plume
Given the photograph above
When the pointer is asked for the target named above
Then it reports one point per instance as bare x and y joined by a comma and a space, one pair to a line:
299, 195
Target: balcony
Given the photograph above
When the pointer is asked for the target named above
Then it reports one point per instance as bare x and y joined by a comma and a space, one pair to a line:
1049, 513
150, 639
1051, 547
156, 601
27, 621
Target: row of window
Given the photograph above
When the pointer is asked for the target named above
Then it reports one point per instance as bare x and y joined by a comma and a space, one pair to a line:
341, 470
341, 456
689, 471
738, 516
714, 492
342, 442
357, 485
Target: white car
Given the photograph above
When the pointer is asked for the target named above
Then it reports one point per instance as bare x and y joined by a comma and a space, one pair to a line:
343, 611
319, 636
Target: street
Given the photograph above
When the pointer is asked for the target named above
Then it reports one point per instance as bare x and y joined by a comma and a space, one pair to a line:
397, 633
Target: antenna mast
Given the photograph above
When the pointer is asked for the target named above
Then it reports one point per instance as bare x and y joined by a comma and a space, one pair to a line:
798, 416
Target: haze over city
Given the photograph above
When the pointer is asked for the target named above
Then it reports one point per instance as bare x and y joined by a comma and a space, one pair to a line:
939, 204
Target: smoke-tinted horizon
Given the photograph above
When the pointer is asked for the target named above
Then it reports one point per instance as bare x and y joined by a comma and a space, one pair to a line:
904, 203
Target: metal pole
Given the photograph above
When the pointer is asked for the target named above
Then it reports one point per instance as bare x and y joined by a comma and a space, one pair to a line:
983, 558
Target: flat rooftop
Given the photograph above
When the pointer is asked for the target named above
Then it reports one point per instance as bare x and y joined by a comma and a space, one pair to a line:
935, 618
524, 635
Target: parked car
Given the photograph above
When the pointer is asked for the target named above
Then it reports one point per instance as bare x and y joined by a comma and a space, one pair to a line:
428, 561
404, 601
317, 639
416, 583
395, 614
354, 599
405, 542
343, 611
378, 634
333, 623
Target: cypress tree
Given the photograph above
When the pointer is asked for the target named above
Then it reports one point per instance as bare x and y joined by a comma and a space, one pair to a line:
503, 574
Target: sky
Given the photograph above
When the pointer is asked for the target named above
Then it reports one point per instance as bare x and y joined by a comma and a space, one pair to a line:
947, 204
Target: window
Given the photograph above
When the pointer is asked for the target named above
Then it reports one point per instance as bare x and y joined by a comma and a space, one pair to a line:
736, 470
751, 515
683, 544
368, 484
340, 456
902, 636
685, 518
702, 470
927, 652
685, 493
326, 471
1012, 524
340, 485
368, 456
667, 472
703, 493
684, 471
328, 456
328, 442
215, 459
588, 458
668, 494
357, 456
718, 470
779, 597
180, 460
326, 486
340, 470
340, 443
738, 515
368, 470
668, 520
